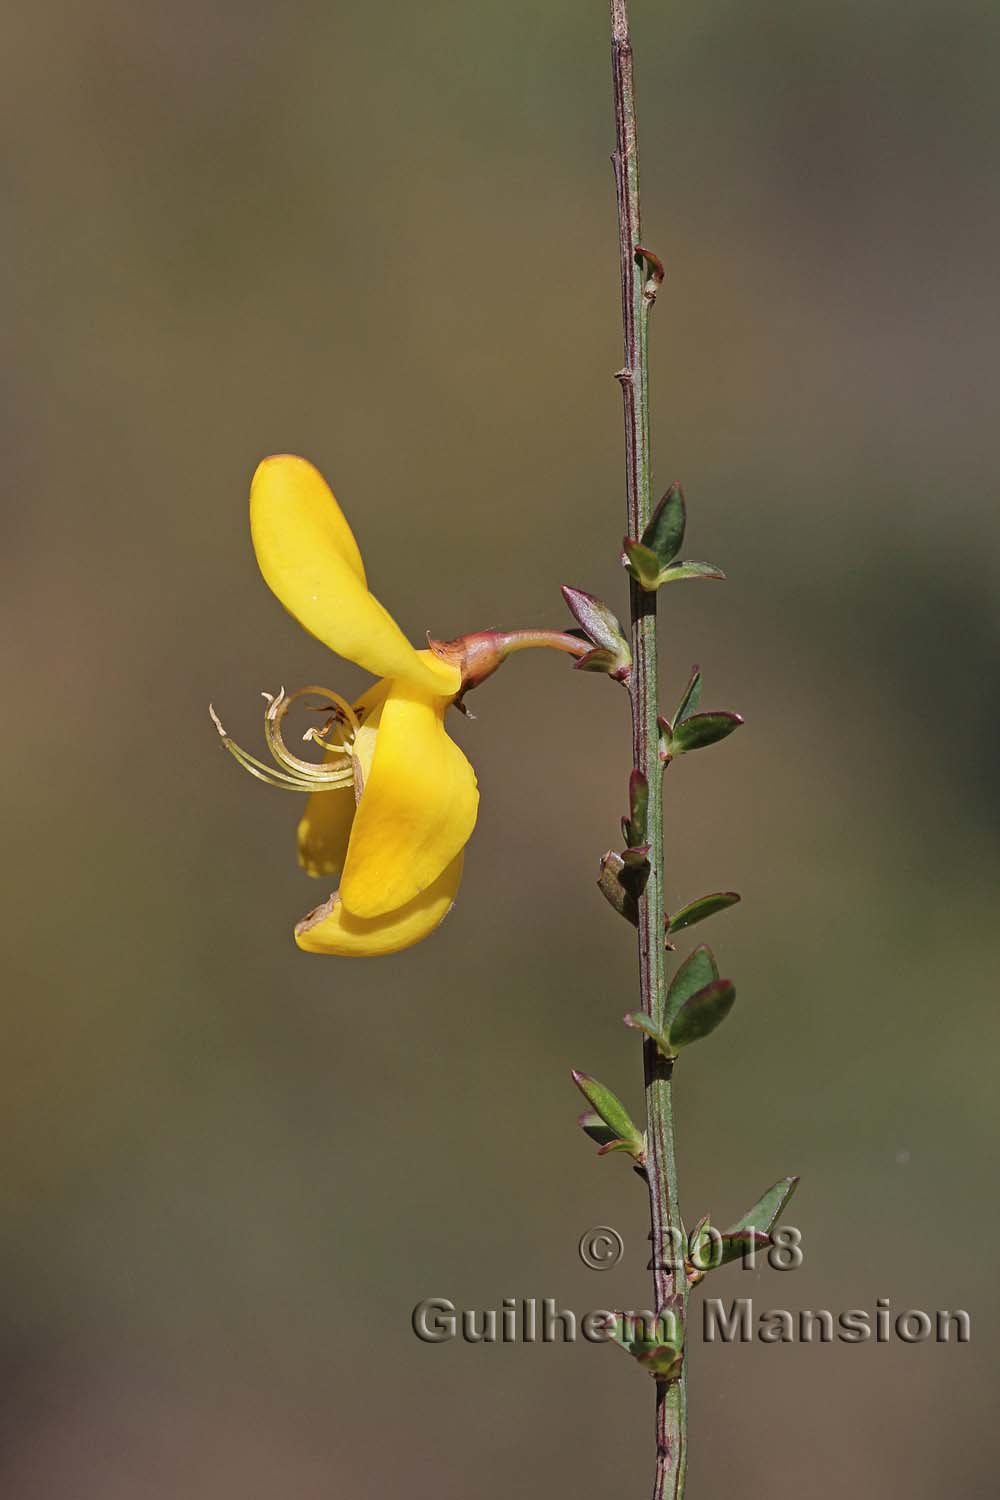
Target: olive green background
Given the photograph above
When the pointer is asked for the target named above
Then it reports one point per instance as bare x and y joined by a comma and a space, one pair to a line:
383, 236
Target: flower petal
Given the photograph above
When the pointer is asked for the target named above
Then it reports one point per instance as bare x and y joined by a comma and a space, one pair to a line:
325, 826
310, 560
417, 810
324, 830
331, 929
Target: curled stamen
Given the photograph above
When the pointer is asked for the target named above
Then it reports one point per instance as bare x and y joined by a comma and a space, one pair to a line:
316, 736
335, 722
254, 766
273, 717
291, 772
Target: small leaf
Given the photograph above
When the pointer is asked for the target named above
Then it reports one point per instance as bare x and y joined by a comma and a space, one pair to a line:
634, 826
617, 1145
659, 1347
663, 1362
702, 1013
700, 1229
768, 1208
597, 620
680, 570
642, 564
703, 1248
697, 970
734, 1244
639, 1021
697, 911
690, 697
610, 886
701, 730
612, 1111
664, 535
600, 660
666, 738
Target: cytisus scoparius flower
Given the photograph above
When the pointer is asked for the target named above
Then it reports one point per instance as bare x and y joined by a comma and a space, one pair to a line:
394, 800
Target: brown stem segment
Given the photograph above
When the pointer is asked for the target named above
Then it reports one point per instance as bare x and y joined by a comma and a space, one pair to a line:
638, 292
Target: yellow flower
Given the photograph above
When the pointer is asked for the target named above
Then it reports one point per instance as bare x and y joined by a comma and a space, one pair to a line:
395, 800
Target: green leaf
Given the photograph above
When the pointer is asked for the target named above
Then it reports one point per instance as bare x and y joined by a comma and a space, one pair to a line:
708, 1249
696, 1233
629, 1146
701, 730
750, 1233
665, 737
639, 1021
768, 1208
611, 652
665, 533
594, 616
634, 826
700, 1246
697, 911
697, 970
662, 1361
676, 571
612, 1111
690, 697
734, 1244
607, 662
662, 1354
702, 1013
642, 564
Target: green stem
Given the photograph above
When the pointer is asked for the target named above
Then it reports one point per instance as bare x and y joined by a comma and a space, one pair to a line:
669, 1279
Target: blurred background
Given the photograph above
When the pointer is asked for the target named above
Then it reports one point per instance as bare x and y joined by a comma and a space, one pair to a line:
383, 236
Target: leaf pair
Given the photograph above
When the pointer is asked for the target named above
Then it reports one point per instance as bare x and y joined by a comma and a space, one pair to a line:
709, 1249
600, 626
650, 559
623, 876
697, 1002
608, 1122
635, 825
688, 730
655, 1342
616, 885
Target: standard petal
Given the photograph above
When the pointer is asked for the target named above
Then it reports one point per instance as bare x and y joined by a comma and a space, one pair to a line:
417, 810
331, 929
325, 826
310, 560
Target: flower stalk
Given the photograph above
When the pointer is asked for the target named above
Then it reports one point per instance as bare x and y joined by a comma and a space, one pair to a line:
641, 275
479, 654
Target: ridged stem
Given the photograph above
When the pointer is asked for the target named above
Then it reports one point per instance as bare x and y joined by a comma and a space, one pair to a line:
638, 292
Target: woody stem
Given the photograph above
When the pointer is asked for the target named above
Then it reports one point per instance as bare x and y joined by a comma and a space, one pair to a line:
669, 1280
